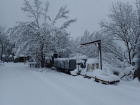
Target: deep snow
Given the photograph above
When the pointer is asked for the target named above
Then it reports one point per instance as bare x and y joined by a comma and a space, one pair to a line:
21, 85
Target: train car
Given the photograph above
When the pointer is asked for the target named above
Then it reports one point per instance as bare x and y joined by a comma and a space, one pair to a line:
65, 64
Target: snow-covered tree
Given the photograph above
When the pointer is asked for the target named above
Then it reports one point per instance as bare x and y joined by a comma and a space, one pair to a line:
135, 39
40, 36
124, 26
111, 52
3, 41
5, 45
89, 50
2, 37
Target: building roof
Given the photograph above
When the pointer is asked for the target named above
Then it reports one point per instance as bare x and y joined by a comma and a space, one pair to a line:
92, 61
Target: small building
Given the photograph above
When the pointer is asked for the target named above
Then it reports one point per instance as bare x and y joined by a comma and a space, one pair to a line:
92, 64
21, 58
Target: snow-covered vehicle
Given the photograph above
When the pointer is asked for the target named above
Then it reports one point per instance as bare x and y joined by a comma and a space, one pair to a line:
92, 70
66, 64
101, 76
105, 78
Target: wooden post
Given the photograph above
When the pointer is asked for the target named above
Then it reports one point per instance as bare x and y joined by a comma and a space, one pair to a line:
100, 54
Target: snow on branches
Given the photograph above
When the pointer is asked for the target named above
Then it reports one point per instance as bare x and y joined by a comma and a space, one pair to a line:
124, 26
40, 37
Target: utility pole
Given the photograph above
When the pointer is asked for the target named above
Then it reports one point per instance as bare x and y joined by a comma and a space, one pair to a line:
99, 49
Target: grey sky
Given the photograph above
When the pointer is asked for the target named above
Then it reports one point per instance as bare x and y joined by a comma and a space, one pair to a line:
88, 12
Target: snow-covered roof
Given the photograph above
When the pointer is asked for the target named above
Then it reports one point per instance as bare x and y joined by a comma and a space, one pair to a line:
92, 61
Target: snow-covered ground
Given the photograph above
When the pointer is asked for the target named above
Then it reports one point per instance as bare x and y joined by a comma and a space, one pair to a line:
21, 85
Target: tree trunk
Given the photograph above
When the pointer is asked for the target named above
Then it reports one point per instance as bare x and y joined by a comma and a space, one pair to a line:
1, 51
42, 60
129, 53
129, 57
42, 57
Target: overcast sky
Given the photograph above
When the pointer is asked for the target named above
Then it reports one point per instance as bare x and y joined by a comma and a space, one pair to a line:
88, 13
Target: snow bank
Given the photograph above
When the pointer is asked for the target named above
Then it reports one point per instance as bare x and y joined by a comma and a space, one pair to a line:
74, 72
89, 73
127, 70
108, 68
127, 73
21, 85
83, 72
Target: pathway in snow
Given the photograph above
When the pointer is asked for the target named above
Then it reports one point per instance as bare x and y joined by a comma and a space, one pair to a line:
21, 85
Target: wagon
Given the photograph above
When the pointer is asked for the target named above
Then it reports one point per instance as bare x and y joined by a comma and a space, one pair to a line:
105, 78
65, 64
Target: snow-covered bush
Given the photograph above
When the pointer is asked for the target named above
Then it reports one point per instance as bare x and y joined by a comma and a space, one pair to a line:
127, 73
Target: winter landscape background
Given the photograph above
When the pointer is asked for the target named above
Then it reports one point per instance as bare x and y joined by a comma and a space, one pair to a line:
37, 35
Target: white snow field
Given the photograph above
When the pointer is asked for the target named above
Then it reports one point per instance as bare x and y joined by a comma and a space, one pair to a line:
21, 85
